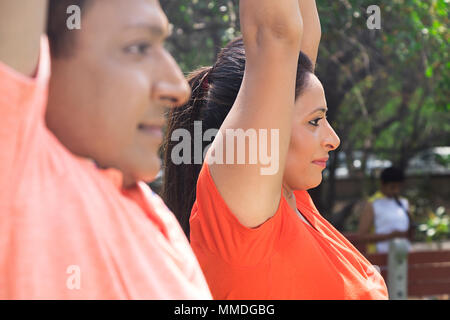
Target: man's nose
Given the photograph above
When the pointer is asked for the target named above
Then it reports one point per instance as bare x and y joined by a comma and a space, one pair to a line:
171, 87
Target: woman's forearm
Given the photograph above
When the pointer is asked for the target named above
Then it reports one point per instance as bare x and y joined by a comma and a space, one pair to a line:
270, 24
312, 31
21, 25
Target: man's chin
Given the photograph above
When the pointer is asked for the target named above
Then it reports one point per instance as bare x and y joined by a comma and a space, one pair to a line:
149, 173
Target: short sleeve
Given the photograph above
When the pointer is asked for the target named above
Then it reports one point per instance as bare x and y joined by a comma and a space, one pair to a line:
216, 230
22, 110
405, 203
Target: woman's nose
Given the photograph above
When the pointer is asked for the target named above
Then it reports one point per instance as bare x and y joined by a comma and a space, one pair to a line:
331, 140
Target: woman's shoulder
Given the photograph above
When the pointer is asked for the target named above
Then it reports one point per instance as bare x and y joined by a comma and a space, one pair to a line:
304, 200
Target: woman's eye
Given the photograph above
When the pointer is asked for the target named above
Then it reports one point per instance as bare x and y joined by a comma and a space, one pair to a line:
140, 48
315, 122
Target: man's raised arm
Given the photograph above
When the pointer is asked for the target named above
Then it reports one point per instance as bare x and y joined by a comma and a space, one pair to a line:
21, 25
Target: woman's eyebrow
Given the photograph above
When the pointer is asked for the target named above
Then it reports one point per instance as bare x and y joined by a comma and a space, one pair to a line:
324, 110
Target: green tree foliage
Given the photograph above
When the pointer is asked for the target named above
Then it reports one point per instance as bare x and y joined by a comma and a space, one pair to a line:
387, 88
200, 29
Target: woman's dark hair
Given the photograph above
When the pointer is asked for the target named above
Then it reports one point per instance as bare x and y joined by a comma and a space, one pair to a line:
214, 90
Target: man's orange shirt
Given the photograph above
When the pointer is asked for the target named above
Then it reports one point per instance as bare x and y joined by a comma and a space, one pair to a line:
284, 258
67, 230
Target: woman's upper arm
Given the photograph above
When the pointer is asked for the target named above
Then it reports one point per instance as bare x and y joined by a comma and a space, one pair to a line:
21, 25
263, 107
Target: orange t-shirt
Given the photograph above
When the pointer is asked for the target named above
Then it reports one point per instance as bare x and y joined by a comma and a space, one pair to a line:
67, 230
284, 258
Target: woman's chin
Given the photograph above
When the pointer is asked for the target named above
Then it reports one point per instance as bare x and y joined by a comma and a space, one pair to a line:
306, 186
315, 183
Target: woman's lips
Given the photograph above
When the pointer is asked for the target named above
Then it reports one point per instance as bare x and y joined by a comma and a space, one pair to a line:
321, 162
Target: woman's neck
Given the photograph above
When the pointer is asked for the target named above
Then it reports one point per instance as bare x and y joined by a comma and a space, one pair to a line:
288, 194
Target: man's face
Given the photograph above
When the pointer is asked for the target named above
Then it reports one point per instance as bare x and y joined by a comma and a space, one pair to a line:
107, 100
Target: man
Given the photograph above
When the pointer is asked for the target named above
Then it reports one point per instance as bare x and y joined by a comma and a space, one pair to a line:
78, 221
386, 216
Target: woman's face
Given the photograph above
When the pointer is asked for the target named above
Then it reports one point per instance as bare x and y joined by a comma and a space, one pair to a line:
312, 138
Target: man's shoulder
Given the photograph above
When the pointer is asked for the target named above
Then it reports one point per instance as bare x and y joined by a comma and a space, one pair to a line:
376, 196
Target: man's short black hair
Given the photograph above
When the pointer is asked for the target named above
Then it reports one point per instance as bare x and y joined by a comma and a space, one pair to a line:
392, 174
61, 39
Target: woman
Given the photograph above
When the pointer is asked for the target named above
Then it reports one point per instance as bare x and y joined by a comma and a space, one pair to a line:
259, 236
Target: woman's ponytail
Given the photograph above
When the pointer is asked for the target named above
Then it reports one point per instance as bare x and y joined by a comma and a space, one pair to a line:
179, 181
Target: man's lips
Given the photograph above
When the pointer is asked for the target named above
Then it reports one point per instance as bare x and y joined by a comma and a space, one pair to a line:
154, 130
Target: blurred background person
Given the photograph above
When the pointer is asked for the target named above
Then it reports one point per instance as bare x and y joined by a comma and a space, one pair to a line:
385, 215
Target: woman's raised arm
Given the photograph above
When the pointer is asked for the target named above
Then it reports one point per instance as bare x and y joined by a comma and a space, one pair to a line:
21, 25
272, 33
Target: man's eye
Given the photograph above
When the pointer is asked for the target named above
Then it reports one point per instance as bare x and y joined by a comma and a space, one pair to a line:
139, 48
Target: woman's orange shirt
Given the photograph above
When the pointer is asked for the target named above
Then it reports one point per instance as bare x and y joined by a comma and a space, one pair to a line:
284, 258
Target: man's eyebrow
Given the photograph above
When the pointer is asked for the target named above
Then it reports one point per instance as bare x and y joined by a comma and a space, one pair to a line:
156, 31
324, 110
